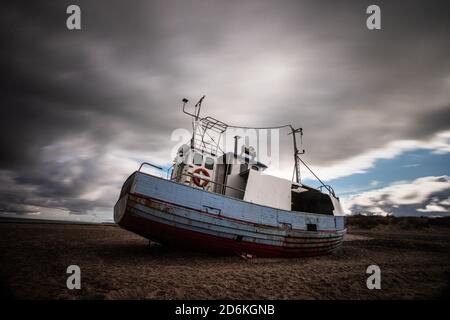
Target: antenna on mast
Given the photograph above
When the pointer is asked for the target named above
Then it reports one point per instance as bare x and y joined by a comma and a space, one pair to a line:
199, 106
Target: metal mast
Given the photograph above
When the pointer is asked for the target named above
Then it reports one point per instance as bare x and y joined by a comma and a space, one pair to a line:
195, 116
297, 152
209, 123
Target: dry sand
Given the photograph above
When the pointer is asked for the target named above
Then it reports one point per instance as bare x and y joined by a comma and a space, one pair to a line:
116, 264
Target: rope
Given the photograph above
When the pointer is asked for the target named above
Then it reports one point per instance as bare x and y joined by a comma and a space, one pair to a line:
261, 128
268, 128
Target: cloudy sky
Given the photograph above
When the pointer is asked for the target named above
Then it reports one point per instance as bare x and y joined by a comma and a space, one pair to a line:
81, 109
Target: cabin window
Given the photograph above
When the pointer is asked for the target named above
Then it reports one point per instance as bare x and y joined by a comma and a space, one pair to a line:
209, 163
198, 159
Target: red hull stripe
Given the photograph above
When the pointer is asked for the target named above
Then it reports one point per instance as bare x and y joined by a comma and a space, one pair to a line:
200, 241
138, 195
289, 239
290, 243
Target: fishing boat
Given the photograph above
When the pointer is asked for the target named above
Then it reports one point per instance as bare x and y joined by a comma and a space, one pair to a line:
223, 202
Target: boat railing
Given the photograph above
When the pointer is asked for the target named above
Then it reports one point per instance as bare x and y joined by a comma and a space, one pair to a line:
210, 123
221, 185
176, 178
167, 171
151, 165
205, 146
328, 188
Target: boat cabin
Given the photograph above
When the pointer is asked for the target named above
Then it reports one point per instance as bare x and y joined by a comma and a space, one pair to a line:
241, 176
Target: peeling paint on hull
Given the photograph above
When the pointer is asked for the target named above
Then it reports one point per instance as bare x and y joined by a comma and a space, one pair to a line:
224, 233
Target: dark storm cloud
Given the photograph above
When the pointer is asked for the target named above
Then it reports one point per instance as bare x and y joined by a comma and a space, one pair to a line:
116, 85
51, 87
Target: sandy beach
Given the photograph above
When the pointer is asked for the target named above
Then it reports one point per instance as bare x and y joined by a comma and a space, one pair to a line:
115, 264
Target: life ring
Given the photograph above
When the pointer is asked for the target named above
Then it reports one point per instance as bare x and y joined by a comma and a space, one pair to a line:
199, 181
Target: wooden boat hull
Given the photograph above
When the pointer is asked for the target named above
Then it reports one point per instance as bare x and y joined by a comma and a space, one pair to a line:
191, 218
